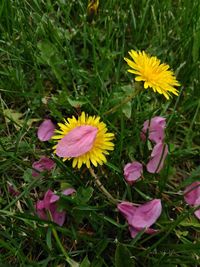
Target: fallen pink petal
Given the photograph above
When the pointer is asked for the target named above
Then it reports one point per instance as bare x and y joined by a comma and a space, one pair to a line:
46, 130
157, 158
197, 212
68, 191
154, 129
43, 164
142, 217
192, 196
12, 191
127, 209
49, 204
77, 142
133, 171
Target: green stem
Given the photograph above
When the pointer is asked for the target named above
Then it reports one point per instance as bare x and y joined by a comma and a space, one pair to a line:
55, 234
102, 188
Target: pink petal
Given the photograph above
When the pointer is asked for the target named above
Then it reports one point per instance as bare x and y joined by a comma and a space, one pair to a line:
40, 210
69, 191
154, 129
43, 164
12, 191
197, 203
40, 204
192, 193
77, 142
146, 214
197, 213
59, 217
133, 171
42, 214
47, 199
142, 217
127, 209
135, 231
54, 198
49, 204
151, 231
158, 156
46, 130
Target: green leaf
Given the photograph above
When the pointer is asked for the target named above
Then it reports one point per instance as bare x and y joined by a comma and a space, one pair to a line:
85, 262
13, 116
50, 55
83, 195
191, 222
16, 118
128, 89
127, 109
76, 103
123, 257
48, 50
48, 239
27, 176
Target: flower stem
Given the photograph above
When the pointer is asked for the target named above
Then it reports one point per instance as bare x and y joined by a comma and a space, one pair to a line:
124, 101
55, 234
102, 188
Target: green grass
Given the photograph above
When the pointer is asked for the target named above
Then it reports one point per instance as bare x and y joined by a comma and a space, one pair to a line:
51, 55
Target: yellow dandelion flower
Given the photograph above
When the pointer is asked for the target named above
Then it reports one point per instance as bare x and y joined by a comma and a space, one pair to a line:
153, 73
84, 140
92, 7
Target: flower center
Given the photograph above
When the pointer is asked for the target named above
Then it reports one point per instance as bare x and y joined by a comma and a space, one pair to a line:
77, 142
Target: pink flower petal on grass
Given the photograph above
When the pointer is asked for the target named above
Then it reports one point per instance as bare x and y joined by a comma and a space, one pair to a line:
142, 217
133, 171
47, 199
157, 159
43, 164
40, 209
12, 191
197, 213
46, 130
68, 191
146, 214
197, 203
54, 198
192, 196
49, 205
77, 142
154, 129
192, 193
59, 217
127, 209
134, 231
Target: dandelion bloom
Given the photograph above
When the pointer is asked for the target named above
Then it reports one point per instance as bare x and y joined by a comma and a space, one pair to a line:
154, 129
192, 196
132, 171
92, 7
142, 217
153, 73
85, 140
46, 130
157, 159
43, 164
49, 205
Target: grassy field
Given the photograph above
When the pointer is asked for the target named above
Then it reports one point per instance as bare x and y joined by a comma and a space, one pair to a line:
56, 61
